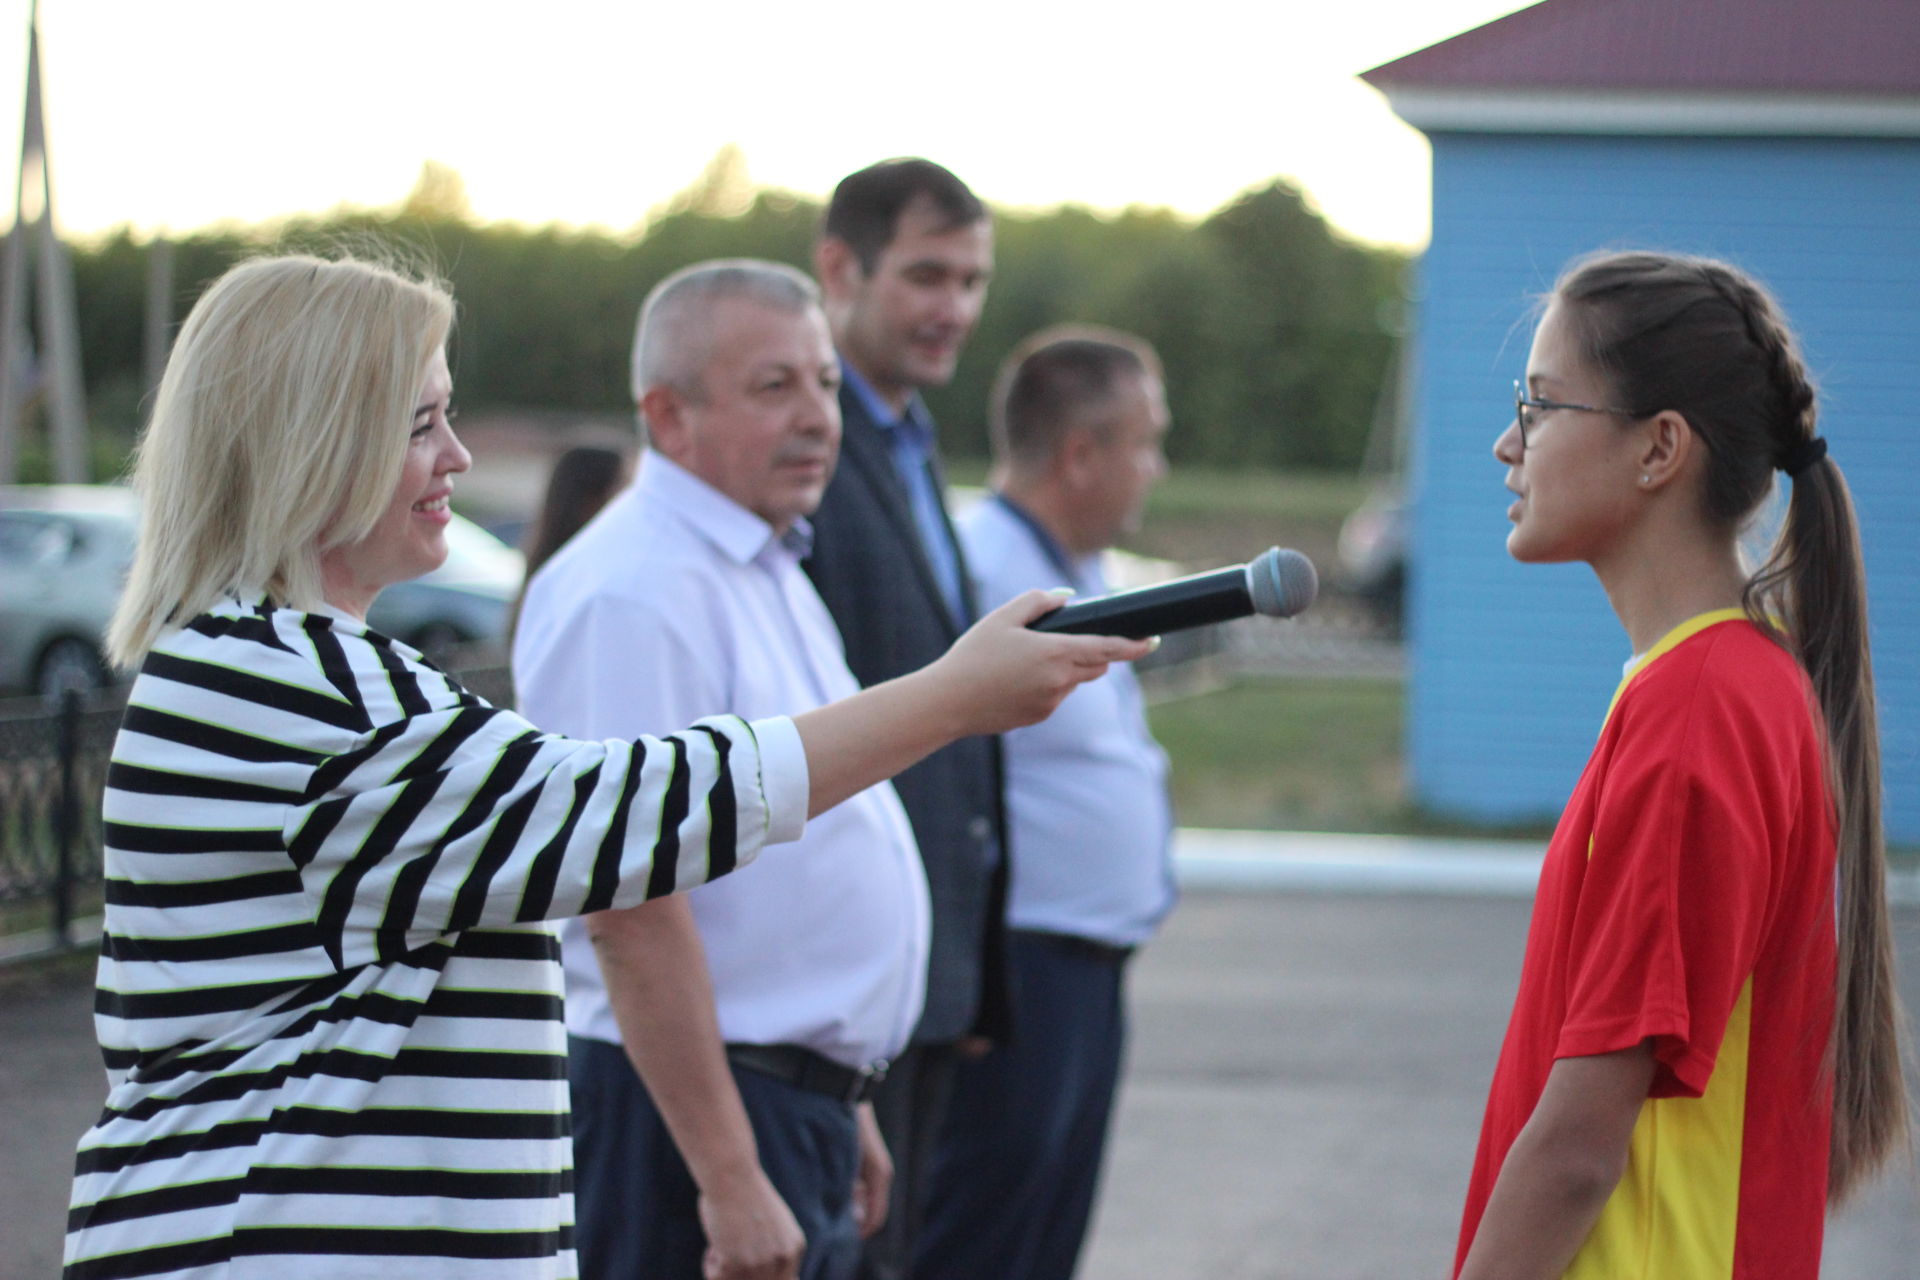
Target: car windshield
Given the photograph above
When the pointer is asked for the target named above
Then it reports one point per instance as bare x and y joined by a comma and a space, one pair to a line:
474, 555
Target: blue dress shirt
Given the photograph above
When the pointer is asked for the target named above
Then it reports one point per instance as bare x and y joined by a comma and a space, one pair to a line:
909, 436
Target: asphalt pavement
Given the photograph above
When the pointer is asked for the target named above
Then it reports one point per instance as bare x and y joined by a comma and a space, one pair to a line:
1311, 1048
1307, 1077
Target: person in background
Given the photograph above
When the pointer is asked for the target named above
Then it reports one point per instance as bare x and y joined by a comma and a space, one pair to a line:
1704, 1050
328, 1005
584, 479
903, 258
1078, 420
725, 1132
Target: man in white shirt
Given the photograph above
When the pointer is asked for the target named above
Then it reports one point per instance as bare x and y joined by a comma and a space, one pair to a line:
745, 1138
1078, 420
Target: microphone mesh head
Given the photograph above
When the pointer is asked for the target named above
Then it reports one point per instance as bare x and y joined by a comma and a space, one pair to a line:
1282, 583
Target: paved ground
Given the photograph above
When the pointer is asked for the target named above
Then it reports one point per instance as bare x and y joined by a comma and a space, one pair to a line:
1308, 1071
1307, 1078
50, 1089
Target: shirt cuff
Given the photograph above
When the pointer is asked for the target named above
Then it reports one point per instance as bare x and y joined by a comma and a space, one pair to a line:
784, 779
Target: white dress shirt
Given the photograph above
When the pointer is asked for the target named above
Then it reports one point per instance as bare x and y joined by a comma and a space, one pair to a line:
676, 602
1088, 816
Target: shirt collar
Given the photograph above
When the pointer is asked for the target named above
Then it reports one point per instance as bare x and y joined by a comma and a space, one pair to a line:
914, 416
737, 533
1079, 571
1673, 639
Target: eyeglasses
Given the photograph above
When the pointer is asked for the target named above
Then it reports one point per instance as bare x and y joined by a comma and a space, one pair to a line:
1524, 405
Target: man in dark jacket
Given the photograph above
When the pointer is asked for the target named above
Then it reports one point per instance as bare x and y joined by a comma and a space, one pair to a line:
903, 260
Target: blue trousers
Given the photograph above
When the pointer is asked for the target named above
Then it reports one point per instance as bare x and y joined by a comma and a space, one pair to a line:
1018, 1166
911, 1107
635, 1205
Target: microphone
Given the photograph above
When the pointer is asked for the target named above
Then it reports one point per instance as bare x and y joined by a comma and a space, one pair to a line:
1278, 584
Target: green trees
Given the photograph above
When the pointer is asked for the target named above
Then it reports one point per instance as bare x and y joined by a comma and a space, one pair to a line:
1276, 332
1270, 324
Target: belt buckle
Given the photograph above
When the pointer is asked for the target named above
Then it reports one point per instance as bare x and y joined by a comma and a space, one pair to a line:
866, 1080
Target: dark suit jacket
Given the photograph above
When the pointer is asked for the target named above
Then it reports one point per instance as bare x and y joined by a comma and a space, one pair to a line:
869, 567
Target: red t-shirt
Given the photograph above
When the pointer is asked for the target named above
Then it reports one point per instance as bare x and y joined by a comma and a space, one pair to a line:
1687, 897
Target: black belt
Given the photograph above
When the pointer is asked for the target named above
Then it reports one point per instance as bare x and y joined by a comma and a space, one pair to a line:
805, 1069
1105, 952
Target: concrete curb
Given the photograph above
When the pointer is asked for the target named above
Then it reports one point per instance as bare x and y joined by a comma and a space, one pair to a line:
37, 944
1336, 862
1301, 862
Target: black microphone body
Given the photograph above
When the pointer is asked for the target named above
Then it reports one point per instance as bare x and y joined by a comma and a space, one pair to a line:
1199, 601
1277, 584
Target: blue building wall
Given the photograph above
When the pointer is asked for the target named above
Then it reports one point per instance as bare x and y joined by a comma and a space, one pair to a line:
1511, 665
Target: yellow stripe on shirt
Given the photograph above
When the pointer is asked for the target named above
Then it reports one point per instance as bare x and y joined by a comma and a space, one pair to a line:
1678, 1207
1672, 640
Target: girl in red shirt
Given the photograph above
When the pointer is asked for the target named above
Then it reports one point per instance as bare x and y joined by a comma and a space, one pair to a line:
1704, 1051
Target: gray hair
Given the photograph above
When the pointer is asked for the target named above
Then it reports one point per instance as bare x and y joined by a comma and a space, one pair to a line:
673, 343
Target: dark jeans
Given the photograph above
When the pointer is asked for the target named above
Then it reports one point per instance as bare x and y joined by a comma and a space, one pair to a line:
910, 1106
1019, 1161
635, 1206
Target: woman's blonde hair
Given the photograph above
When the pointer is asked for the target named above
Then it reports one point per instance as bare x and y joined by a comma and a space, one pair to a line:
278, 432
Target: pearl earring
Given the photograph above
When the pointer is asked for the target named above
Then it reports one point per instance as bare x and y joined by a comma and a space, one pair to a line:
1646, 479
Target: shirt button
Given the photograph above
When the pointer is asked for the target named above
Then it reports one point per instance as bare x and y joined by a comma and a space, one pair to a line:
981, 828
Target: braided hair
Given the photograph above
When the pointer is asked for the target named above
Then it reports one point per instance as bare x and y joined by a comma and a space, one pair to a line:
1706, 340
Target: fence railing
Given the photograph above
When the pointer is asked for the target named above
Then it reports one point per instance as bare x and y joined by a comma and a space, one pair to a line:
53, 775
53, 769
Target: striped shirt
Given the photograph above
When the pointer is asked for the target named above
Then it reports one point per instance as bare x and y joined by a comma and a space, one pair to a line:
329, 1011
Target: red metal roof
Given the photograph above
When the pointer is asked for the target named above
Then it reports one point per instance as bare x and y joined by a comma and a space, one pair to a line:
1865, 47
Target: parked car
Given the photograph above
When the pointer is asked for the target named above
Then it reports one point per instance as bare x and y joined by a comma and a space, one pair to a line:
1373, 557
466, 600
64, 552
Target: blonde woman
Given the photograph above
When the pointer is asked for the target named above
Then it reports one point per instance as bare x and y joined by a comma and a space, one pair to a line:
327, 1001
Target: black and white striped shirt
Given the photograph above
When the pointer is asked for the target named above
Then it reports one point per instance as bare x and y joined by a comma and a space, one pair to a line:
330, 1016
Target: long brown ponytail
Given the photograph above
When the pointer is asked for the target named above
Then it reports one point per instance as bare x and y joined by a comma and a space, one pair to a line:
1706, 340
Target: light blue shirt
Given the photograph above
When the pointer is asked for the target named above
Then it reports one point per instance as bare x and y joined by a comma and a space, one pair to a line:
1088, 817
909, 436
677, 602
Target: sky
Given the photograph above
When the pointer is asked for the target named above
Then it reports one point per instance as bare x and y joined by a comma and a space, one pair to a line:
169, 115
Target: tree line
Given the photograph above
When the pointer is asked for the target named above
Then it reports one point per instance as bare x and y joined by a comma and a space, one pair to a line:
1276, 331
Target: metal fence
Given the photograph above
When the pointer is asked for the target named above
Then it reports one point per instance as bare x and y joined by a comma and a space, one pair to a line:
53, 768
53, 773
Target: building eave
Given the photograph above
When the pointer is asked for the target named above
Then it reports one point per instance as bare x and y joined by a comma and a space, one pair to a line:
1593, 111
